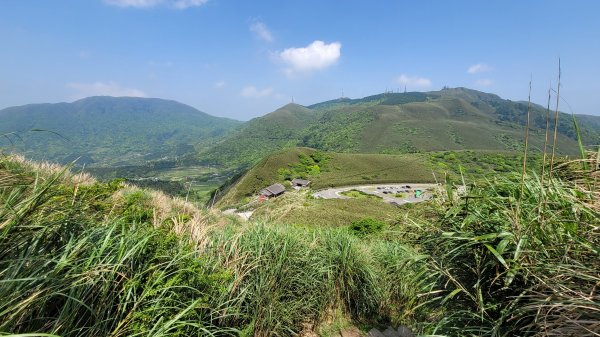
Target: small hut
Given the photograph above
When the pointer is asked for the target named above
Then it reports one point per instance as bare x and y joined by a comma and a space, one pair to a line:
297, 182
272, 191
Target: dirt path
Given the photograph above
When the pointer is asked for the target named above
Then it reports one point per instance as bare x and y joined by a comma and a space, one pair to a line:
244, 215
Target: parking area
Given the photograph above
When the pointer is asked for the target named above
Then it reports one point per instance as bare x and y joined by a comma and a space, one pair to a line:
397, 193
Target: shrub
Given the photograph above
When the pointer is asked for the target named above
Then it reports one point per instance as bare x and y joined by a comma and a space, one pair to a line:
367, 226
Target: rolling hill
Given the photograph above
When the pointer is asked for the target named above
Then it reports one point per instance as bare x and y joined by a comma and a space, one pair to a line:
396, 123
279, 129
345, 169
109, 130
334, 169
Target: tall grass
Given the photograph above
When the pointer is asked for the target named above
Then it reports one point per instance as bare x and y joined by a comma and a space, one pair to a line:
543, 175
507, 275
524, 169
67, 269
110, 260
555, 120
287, 278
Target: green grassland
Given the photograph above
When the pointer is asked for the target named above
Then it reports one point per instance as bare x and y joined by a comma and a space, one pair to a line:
194, 183
297, 208
356, 194
352, 169
345, 169
260, 176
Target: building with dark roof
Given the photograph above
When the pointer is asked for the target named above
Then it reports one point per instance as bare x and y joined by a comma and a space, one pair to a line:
300, 182
272, 191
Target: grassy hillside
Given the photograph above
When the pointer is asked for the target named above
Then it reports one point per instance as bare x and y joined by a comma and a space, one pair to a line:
396, 123
351, 169
296, 208
110, 130
274, 131
335, 169
343, 169
452, 119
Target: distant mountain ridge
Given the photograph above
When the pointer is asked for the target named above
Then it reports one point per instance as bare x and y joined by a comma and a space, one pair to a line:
110, 130
130, 131
394, 123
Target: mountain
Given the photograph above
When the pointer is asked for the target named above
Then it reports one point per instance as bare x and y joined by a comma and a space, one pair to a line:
278, 129
110, 130
395, 123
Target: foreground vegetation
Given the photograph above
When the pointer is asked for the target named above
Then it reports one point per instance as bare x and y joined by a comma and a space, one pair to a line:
78, 257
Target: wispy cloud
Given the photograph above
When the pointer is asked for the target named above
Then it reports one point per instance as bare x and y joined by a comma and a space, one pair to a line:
110, 88
413, 81
133, 3
261, 31
316, 56
479, 68
219, 84
183, 4
484, 82
177, 4
253, 92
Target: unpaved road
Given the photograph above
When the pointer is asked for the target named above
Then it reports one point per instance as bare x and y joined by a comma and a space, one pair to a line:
244, 215
379, 189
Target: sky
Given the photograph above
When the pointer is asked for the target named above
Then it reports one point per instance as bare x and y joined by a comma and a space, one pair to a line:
242, 59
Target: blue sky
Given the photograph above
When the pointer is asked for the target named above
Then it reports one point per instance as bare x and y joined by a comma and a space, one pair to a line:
242, 59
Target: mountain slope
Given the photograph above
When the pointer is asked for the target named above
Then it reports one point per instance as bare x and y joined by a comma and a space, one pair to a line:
394, 123
335, 169
279, 129
450, 119
110, 130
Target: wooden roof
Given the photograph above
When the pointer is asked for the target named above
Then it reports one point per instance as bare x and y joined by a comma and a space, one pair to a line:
275, 189
301, 182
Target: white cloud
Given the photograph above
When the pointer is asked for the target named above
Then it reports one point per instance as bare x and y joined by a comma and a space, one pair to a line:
479, 68
110, 88
253, 92
316, 56
183, 4
261, 31
219, 84
484, 82
177, 4
413, 81
133, 3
